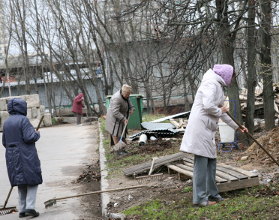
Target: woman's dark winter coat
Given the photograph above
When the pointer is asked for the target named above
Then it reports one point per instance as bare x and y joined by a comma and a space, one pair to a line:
19, 138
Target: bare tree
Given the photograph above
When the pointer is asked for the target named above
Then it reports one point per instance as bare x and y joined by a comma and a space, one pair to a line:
266, 67
251, 59
161, 48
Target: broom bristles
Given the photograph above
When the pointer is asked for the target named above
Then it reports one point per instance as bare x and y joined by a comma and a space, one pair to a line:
5, 211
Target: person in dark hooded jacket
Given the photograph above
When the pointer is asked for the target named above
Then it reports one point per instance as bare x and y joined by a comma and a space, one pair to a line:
23, 164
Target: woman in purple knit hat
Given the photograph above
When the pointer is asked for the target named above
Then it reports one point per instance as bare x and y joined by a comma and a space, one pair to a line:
199, 136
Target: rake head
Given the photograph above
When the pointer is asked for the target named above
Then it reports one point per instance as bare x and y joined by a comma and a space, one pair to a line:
9, 210
149, 178
50, 202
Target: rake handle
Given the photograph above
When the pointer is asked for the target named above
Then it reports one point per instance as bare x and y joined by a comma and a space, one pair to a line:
254, 139
124, 129
97, 192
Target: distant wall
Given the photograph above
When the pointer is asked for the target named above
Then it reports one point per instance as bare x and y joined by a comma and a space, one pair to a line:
34, 110
53, 90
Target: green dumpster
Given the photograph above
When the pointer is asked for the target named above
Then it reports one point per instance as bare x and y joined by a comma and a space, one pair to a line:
136, 118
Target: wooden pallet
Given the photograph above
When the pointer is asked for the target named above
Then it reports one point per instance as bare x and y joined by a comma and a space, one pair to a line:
145, 167
227, 177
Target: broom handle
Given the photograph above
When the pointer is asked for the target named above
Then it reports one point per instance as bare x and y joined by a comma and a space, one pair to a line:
254, 139
41, 120
101, 191
8, 197
124, 129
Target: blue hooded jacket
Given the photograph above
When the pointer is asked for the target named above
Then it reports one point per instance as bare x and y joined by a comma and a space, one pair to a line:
19, 138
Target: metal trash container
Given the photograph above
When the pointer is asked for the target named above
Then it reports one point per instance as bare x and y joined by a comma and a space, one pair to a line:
136, 118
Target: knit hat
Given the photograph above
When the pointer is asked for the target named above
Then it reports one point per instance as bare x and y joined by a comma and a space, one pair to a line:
225, 71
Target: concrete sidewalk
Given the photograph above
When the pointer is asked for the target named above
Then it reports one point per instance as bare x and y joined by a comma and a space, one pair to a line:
64, 151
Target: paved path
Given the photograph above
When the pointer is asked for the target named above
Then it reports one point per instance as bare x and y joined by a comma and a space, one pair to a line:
64, 151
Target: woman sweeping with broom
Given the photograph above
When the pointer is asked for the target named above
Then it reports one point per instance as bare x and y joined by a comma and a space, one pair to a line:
118, 113
23, 164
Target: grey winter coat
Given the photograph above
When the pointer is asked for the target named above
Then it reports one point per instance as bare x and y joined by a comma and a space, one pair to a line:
19, 138
117, 112
199, 136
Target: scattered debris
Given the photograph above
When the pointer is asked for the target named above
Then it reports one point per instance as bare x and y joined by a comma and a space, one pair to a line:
244, 158
91, 173
180, 124
259, 111
115, 216
156, 133
152, 138
142, 139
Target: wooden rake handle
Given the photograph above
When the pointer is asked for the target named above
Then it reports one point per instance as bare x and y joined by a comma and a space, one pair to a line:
254, 139
95, 192
40, 122
124, 129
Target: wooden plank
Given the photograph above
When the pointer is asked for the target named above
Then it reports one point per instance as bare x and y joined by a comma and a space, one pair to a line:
245, 172
240, 184
219, 173
231, 172
144, 167
226, 176
190, 168
189, 159
188, 164
182, 166
223, 171
179, 170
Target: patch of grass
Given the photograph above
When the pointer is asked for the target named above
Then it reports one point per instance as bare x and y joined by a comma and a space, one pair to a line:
187, 189
152, 210
242, 206
103, 125
151, 117
54, 121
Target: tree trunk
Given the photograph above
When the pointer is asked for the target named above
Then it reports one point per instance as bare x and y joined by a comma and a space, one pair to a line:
251, 58
227, 49
269, 112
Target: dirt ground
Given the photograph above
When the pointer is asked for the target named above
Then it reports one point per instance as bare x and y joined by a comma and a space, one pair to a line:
168, 186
